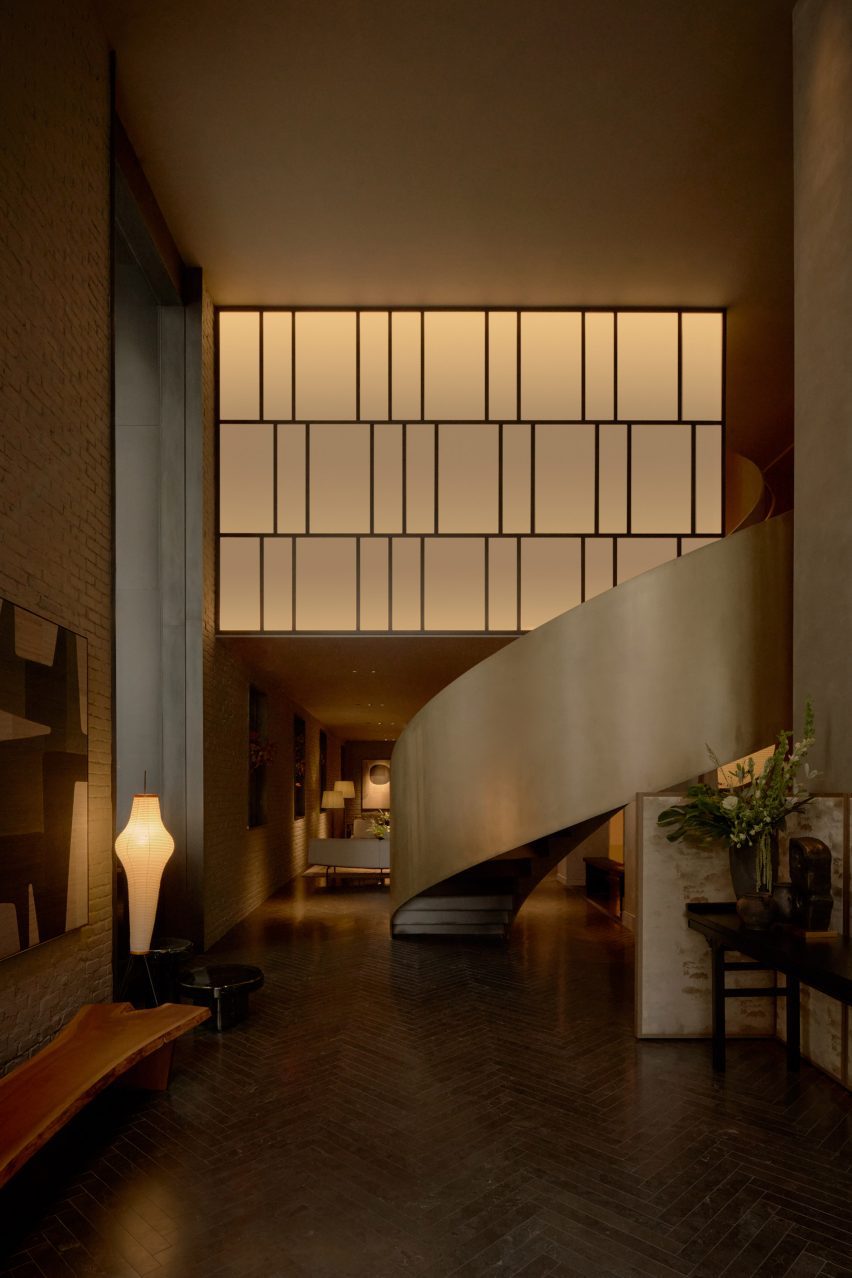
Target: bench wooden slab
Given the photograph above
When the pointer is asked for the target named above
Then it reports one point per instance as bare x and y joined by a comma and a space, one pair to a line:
103, 1043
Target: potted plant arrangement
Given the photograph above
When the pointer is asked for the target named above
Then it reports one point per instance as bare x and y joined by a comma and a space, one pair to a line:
747, 811
380, 828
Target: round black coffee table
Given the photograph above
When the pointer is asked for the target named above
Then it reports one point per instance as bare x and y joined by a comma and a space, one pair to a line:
223, 987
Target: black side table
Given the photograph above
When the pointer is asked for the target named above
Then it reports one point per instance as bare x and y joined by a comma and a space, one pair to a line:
224, 988
167, 956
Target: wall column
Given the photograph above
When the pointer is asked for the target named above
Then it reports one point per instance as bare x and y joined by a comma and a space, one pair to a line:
822, 32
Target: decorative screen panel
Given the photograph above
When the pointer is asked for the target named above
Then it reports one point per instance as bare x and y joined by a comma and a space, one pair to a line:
458, 471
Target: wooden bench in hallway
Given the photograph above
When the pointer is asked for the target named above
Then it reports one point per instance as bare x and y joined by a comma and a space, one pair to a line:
102, 1044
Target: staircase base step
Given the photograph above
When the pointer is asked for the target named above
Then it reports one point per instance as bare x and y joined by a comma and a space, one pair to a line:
495, 901
450, 929
431, 917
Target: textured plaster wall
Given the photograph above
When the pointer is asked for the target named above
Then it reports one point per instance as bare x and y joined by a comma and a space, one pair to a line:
823, 279
55, 466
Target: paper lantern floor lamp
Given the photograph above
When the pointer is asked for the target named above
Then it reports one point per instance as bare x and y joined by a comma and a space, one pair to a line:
143, 848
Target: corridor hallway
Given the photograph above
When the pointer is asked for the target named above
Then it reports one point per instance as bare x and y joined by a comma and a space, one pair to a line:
427, 1108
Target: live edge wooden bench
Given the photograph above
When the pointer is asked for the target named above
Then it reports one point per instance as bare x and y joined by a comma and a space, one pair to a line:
103, 1043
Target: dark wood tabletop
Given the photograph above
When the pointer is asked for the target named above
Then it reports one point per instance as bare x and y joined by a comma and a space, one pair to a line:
824, 965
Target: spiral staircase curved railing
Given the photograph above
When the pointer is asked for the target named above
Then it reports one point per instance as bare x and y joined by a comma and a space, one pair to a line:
521, 758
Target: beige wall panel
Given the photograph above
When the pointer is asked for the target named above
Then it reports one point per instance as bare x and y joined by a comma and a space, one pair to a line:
278, 365
673, 977
701, 365
325, 365
239, 365
502, 365
278, 583
454, 365
647, 366
468, 478
454, 584
600, 363
239, 583
374, 365
550, 365
405, 354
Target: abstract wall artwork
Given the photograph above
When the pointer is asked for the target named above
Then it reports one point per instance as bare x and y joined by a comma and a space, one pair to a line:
375, 784
43, 780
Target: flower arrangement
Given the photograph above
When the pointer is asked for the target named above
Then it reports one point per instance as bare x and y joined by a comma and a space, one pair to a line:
380, 828
750, 807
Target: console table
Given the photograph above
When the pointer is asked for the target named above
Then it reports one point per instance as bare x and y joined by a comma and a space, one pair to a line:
824, 965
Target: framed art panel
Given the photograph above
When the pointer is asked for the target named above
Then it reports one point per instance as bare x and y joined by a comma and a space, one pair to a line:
375, 784
44, 772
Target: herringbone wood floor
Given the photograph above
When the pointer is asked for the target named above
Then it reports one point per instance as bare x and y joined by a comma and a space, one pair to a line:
444, 1109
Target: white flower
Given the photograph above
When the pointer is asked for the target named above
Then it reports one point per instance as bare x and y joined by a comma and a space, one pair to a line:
730, 803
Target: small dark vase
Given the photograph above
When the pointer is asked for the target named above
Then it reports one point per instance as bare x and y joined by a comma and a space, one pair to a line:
757, 910
743, 863
785, 900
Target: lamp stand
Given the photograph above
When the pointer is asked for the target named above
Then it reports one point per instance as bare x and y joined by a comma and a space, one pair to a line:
133, 961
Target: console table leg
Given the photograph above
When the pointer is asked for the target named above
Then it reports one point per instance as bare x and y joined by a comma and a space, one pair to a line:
718, 952
793, 1023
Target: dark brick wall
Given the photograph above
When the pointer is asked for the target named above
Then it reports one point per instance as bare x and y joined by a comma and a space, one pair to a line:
55, 451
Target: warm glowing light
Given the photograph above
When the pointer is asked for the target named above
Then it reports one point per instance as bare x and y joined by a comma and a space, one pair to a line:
332, 799
346, 788
143, 848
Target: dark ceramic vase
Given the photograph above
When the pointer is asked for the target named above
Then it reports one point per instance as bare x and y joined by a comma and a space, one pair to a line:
785, 899
743, 863
757, 910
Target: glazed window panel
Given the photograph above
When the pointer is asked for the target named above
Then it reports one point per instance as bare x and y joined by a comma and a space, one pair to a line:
647, 366
564, 479
292, 483
550, 365
702, 367
325, 365
502, 366
551, 438
405, 365
340, 478
454, 365
502, 583
600, 366
326, 584
375, 566
468, 478
661, 479
278, 583
246, 478
239, 583
239, 365
454, 583
550, 578
278, 365
374, 340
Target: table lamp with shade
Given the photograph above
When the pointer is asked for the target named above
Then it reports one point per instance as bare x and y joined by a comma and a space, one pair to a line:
332, 800
347, 789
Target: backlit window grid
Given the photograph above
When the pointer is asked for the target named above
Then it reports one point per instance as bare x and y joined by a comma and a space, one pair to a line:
399, 487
